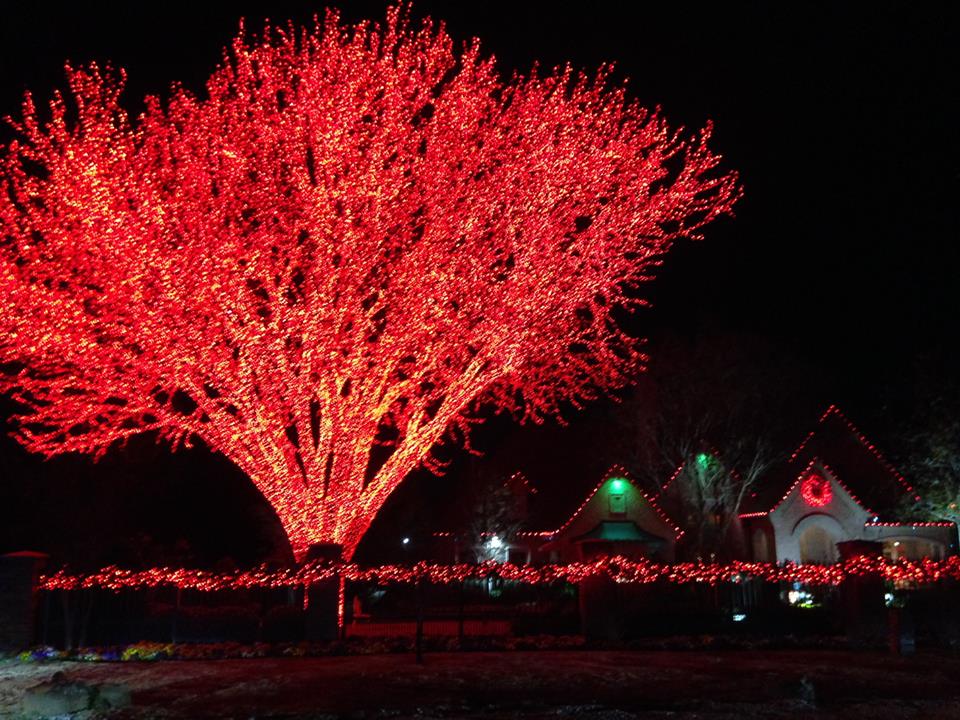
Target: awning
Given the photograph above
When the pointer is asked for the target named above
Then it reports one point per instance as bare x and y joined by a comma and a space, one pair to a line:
620, 531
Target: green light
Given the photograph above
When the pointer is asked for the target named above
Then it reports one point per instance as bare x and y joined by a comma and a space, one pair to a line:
703, 460
618, 485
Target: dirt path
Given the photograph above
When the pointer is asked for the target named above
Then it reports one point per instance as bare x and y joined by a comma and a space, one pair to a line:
598, 685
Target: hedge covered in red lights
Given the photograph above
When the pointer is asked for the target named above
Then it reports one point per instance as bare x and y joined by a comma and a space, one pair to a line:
917, 572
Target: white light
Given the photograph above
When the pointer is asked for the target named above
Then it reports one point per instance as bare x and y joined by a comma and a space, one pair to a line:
739, 617
896, 544
495, 542
800, 598
406, 541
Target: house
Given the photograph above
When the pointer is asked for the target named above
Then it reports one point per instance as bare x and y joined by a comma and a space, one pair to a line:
615, 518
836, 486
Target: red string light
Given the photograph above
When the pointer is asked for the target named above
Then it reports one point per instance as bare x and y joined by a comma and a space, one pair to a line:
845, 487
619, 569
909, 524
673, 476
352, 239
796, 453
805, 474
874, 450
862, 439
614, 471
815, 490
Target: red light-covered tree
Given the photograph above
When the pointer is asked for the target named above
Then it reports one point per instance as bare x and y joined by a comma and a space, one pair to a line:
323, 266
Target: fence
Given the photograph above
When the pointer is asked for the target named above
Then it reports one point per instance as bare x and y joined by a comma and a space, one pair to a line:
607, 598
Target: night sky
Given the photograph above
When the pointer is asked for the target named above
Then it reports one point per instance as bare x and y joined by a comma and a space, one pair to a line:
841, 120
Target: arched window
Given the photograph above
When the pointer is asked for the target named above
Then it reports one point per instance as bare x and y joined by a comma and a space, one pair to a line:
817, 546
761, 546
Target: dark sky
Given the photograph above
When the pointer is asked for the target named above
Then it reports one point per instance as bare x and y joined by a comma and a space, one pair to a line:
842, 119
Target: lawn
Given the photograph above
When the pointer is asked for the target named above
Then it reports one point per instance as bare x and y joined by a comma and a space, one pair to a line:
547, 684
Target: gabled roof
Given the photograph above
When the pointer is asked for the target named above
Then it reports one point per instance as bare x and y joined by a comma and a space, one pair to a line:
669, 497
712, 452
811, 466
837, 445
547, 524
519, 480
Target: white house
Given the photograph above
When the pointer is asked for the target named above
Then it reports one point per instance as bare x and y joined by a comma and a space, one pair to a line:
836, 487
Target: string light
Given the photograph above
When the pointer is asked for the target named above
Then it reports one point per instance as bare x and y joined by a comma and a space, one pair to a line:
322, 267
833, 410
621, 570
674, 476
703, 460
615, 472
806, 473
875, 451
520, 477
909, 524
815, 490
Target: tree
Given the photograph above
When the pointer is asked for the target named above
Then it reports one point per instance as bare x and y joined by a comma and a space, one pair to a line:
326, 265
711, 485
931, 457
704, 434
495, 513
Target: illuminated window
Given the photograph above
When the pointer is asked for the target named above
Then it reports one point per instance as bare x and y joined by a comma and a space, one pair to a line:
618, 504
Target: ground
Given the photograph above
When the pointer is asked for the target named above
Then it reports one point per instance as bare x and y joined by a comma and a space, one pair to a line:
597, 685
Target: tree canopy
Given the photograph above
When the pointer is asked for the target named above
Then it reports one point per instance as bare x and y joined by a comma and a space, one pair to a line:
322, 265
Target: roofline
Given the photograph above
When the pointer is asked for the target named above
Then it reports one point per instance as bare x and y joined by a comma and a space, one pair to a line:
802, 476
523, 478
674, 476
910, 524
615, 471
833, 409
683, 463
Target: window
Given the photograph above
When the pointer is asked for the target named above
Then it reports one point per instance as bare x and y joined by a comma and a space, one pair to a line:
761, 546
618, 504
817, 546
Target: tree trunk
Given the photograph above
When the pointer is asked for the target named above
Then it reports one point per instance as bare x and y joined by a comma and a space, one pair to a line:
175, 619
67, 620
87, 598
323, 599
460, 613
418, 642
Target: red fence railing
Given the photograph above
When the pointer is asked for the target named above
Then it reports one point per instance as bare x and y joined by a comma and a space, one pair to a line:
622, 570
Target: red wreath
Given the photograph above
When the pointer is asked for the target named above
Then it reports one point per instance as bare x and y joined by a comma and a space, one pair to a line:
815, 490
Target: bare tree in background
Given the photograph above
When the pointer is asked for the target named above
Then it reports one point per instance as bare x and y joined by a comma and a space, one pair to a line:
708, 487
714, 431
495, 514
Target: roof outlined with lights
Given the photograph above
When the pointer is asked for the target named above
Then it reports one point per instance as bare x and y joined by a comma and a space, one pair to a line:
837, 446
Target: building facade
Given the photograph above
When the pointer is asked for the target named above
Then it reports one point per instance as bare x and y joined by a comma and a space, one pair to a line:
615, 518
836, 487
